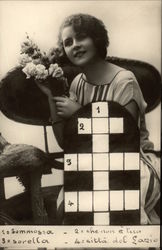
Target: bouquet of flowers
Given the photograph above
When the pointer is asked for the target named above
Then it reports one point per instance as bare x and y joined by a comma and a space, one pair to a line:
39, 65
42, 67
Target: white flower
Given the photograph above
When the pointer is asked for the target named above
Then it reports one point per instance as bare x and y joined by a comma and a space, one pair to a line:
24, 59
37, 60
41, 72
29, 69
52, 68
55, 71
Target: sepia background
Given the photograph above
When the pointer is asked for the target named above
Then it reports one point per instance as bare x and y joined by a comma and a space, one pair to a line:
134, 28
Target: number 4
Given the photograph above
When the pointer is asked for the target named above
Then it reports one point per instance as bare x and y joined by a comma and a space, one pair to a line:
70, 203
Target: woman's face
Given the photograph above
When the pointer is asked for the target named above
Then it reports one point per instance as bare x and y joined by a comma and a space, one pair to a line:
79, 47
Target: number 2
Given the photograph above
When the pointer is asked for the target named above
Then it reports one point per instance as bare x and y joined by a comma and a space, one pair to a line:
81, 125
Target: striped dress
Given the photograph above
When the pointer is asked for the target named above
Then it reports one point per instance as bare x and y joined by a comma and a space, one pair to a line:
123, 89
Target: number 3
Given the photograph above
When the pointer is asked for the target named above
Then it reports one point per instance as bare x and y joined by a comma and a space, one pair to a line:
68, 161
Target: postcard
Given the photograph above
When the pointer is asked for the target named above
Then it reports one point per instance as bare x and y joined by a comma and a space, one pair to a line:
80, 126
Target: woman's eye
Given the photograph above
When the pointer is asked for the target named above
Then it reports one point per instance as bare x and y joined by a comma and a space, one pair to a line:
68, 42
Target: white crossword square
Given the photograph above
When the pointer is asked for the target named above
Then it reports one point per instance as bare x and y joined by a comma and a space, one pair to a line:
116, 201
100, 125
100, 180
100, 143
84, 126
100, 109
84, 162
116, 161
131, 199
101, 200
116, 125
85, 201
70, 162
70, 201
100, 161
132, 161
101, 219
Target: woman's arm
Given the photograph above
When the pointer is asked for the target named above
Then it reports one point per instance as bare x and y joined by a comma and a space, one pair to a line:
60, 108
57, 122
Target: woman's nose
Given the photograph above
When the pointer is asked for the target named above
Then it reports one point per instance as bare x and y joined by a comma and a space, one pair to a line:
76, 43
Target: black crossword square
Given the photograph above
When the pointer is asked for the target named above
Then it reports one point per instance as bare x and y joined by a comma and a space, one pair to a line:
124, 180
82, 181
129, 217
116, 110
78, 143
79, 218
123, 143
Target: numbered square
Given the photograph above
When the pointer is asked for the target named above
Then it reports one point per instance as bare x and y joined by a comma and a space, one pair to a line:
100, 125
116, 125
116, 161
100, 109
84, 162
101, 200
116, 201
132, 161
100, 143
70, 201
100, 180
101, 219
85, 201
100, 161
131, 199
84, 126
70, 162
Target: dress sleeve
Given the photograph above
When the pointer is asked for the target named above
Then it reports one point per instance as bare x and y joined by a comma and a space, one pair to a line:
73, 88
126, 89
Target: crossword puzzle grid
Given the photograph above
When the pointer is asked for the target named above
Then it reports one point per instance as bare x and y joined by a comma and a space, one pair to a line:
102, 187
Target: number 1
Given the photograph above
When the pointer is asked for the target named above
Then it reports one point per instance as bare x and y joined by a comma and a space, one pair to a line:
98, 109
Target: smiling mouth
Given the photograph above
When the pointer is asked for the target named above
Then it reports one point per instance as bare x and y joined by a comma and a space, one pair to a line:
79, 54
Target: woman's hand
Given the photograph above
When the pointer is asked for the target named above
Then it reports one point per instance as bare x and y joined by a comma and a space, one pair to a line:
65, 106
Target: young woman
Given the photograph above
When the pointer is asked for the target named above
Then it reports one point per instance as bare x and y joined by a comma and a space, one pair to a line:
83, 40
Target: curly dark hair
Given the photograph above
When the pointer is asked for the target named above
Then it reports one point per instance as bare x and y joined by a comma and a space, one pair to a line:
90, 25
